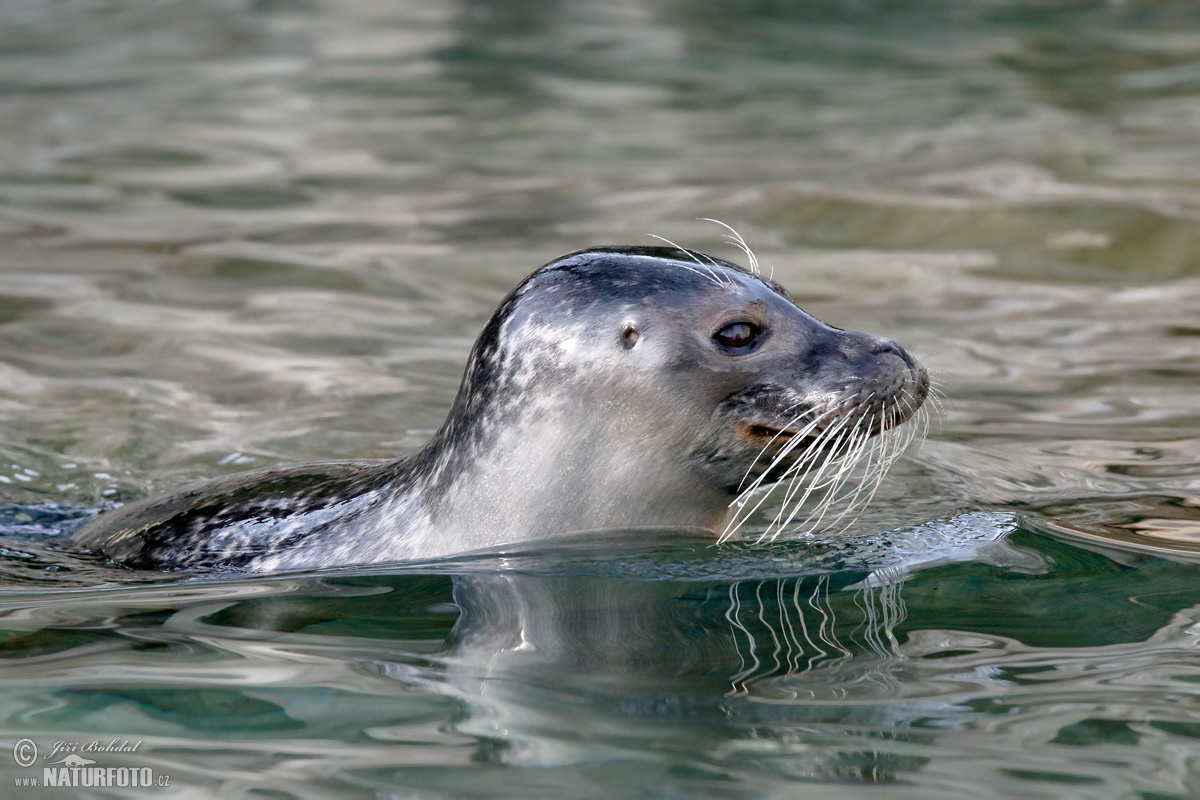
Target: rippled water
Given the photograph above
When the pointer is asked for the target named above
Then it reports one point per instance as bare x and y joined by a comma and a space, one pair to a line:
236, 234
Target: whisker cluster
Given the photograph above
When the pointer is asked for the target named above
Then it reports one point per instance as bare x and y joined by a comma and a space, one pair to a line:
736, 239
836, 464
711, 271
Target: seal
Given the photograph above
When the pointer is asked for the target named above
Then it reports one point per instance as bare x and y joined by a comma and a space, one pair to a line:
617, 387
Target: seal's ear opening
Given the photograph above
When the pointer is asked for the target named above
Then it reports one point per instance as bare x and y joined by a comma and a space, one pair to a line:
630, 335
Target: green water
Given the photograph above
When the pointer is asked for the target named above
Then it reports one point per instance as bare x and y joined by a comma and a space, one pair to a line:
236, 234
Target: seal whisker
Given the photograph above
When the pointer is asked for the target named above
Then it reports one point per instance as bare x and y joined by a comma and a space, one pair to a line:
812, 480
743, 513
861, 496
737, 239
888, 446
710, 274
719, 274
835, 437
749, 253
921, 434
796, 439
936, 396
845, 464
872, 452
782, 431
813, 447
919, 421
916, 431
810, 448
869, 456
712, 261
907, 399
783, 453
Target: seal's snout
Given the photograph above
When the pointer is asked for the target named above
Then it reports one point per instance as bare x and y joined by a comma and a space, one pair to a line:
891, 377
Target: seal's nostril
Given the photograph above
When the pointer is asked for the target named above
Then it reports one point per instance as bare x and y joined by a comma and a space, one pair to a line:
883, 346
888, 347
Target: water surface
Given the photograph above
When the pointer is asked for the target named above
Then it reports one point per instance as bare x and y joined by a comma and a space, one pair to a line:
240, 234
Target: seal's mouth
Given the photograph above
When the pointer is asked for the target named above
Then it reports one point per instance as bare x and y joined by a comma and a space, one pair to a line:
758, 431
770, 435
773, 439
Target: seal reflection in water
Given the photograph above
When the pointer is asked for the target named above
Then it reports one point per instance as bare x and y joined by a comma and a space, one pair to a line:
622, 387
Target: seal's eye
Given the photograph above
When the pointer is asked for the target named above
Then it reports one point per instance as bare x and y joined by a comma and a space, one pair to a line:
739, 338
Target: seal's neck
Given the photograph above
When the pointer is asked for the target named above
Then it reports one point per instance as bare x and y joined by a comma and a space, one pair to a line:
536, 472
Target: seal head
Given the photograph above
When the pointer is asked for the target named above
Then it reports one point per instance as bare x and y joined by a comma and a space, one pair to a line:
625, 387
